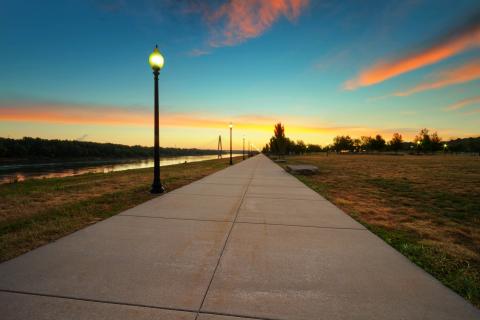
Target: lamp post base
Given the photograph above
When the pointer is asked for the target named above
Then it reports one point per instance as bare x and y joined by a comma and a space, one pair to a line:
157, 188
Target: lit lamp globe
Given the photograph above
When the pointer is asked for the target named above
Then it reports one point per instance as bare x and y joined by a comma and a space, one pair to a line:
156, 60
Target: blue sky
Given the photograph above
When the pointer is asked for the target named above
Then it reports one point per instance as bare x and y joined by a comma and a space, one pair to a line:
289, 63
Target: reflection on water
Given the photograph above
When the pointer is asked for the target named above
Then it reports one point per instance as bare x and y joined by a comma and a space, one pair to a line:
12, 173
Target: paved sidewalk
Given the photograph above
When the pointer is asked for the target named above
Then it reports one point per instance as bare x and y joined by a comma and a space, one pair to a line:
248, 242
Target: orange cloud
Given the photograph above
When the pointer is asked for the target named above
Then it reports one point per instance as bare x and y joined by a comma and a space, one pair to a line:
176, 125
463, 103
55, 113
72, 114
244, 19
460, 40
467, 72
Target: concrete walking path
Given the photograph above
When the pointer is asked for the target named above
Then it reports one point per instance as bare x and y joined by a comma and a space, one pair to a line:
248, 242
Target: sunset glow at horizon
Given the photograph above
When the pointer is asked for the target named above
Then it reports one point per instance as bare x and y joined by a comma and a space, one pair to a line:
80, 70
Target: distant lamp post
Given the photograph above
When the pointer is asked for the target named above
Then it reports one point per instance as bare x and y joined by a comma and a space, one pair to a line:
445, 146
231, 126
243, 150
156, 62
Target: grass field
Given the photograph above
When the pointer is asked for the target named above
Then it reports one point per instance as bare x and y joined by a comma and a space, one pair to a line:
427, 207
35, 212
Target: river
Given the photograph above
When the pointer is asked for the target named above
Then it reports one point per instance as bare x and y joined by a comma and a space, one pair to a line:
20, 172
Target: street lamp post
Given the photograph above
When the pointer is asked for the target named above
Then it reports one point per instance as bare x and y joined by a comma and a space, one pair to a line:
231, 126
156, 62
243, 150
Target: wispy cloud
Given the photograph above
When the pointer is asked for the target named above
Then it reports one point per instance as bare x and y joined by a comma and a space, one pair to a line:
260, 125
198, 52
467, 72
453, 43
82, 137
71, 114
56, 113
473, 112
229, 22
74, 114
463, 103
239, 20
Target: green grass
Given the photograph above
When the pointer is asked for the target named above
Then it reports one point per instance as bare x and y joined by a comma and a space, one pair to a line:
428, 208
35, 212
455, 273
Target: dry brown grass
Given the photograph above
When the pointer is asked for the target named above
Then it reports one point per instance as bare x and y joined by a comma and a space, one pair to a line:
35, 212
428, 207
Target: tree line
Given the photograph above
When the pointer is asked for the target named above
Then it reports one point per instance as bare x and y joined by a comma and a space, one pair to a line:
33, 148
424, 142
281, 145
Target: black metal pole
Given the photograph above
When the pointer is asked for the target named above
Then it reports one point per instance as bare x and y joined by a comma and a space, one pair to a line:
231, 145
156, 185
243, 150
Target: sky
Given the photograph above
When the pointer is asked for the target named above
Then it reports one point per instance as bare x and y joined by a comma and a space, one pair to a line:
79, 70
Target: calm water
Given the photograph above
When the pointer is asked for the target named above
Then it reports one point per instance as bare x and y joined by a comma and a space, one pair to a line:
10, 173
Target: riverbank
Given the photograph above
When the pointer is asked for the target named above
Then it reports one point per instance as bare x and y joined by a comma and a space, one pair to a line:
35, 212
12, 173
22, 162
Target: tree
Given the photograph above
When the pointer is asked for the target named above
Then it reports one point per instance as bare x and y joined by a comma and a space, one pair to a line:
465, 145
266, 148
366, 143
289, 146
300, 147
36, 148
278, 143
396, 142
435, 142
342, 143
422, 140
273, 146
378, 144
314, 148
426, 142
279, 131
357, 145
